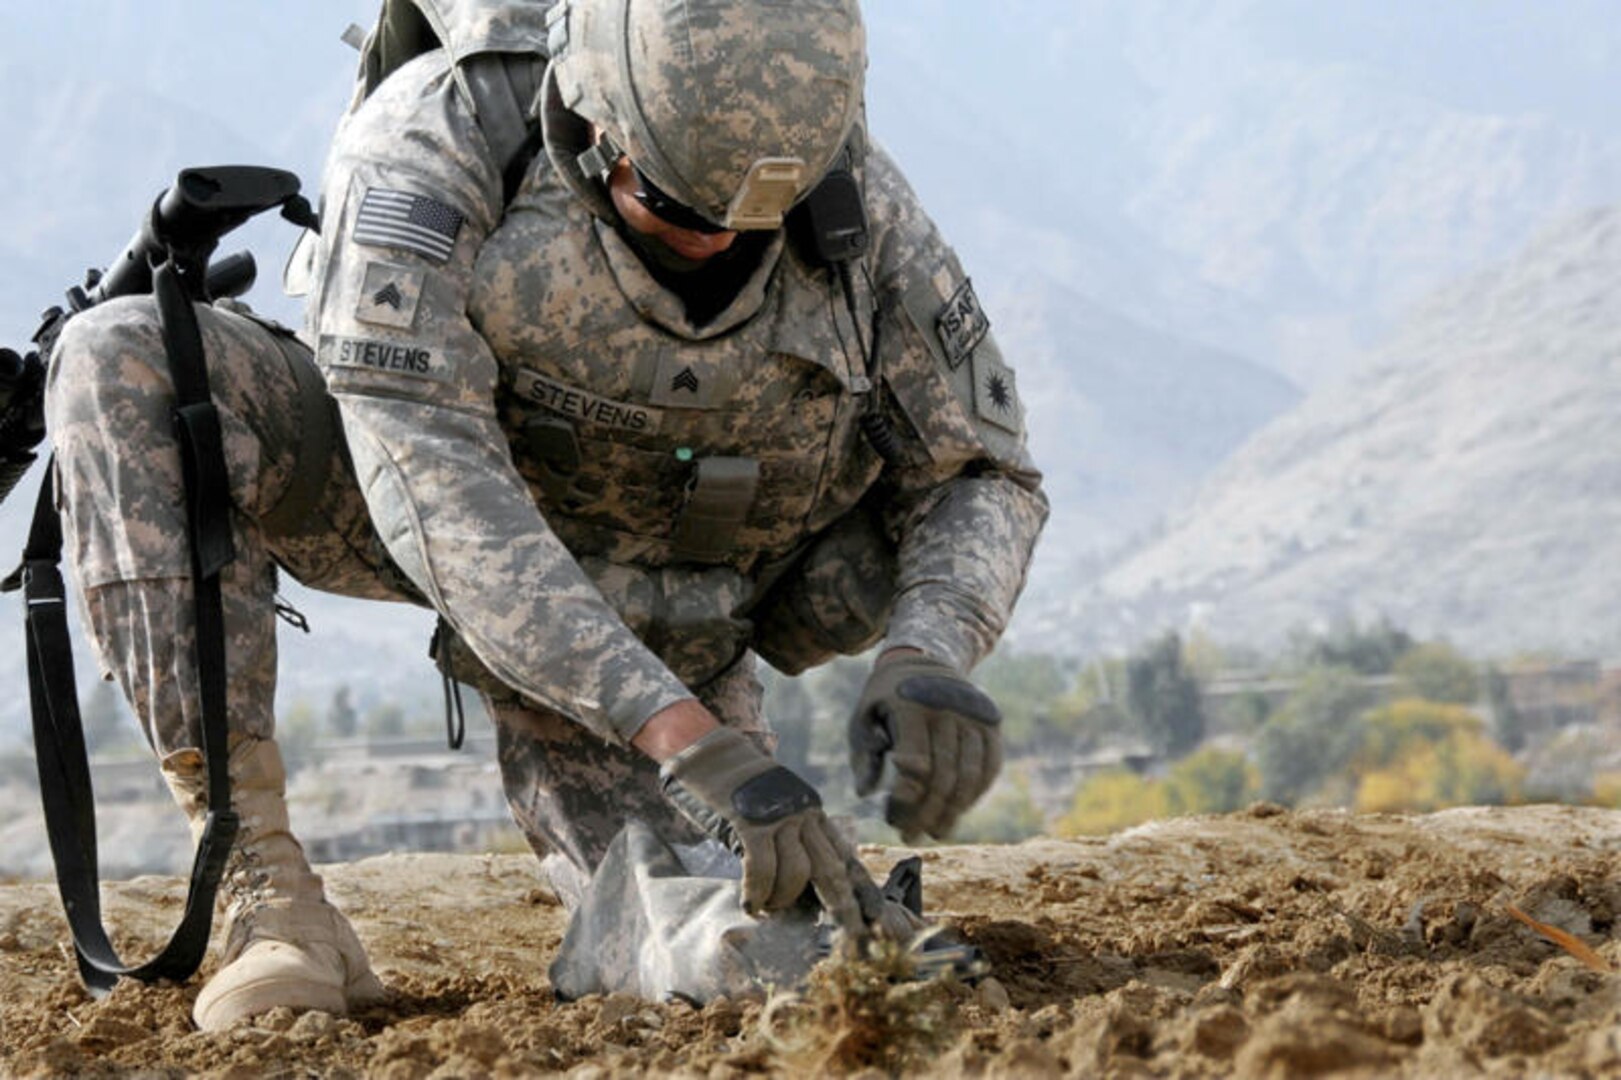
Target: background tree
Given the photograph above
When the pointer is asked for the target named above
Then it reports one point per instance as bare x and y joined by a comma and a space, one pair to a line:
1405, 727
1312, 736
1162, 694
298, 731
1005, 816
1111, 801
1507, 725
385, 720
341, 718
1462, 769
1435, 671
1371, 650
1211, 781
1027, 688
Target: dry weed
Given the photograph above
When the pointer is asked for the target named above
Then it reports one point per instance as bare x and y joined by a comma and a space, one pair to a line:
866, 1012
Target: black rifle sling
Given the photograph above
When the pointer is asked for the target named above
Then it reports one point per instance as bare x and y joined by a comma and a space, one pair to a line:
64, 771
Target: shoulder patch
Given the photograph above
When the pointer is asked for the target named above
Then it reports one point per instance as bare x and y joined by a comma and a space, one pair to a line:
394, 357
389, 296
407, 222
961, 324
996, 395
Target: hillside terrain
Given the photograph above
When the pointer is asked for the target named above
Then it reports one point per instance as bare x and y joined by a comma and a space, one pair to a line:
1466, 487
1265, 944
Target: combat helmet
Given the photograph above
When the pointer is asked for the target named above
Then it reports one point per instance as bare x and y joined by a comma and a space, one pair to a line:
733, 108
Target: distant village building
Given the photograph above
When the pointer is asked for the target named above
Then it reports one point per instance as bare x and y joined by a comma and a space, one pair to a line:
1544, 698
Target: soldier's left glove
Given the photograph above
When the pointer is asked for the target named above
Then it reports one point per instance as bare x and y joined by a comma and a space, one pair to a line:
943, 734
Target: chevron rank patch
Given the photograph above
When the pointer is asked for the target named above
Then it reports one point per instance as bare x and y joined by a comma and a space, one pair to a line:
389, 296
996, 395
680, 385
961, 324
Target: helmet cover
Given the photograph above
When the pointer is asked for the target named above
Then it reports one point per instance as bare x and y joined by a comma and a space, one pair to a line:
735, 108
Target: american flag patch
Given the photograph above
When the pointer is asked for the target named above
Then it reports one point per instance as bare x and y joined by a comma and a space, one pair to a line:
398, 219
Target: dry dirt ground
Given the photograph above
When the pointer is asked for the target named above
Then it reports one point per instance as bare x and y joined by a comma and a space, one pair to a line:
1266, 943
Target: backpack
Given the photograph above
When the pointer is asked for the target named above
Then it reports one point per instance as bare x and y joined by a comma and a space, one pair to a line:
498, 59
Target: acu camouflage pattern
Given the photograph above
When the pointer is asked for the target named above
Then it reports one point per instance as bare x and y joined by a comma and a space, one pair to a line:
543, 317
697, 93
108, 404
463, 28
571, 793
581, 611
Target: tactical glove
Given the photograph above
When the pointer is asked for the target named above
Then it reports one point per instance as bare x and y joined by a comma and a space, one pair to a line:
22, 398
22, 415
768, 815
943, 734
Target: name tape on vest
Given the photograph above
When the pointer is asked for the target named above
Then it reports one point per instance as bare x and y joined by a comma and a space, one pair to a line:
580, 404
395, 357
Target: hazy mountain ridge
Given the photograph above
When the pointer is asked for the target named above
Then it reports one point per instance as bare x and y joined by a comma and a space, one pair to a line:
1466, 487
1351, 198
1123, 418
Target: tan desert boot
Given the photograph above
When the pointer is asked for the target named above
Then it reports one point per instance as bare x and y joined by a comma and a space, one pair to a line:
285, 944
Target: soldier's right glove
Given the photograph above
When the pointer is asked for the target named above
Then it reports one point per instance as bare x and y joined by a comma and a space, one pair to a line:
22, 415
943, 734
764, 812
22, 403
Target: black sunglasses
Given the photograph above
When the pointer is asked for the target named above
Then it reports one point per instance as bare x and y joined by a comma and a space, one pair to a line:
669, 210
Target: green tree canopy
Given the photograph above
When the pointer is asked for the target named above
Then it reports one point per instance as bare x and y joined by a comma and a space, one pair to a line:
1313, 735
1435, 671
1162, 694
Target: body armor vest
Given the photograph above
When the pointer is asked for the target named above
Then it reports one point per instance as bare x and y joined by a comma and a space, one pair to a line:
650, 441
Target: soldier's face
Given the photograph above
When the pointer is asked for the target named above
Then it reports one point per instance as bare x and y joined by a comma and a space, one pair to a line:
688, 243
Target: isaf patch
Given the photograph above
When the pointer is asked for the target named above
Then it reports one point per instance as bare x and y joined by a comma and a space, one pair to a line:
389, 296
393, 357
407, 222
961, 325
996, 395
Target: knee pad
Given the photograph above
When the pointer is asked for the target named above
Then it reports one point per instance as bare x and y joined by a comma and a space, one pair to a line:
836, 600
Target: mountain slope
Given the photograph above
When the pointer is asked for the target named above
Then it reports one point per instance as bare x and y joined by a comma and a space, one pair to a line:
1124, 419
1470, 486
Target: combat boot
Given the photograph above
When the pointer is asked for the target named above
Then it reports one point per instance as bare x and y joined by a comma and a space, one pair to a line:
285, 944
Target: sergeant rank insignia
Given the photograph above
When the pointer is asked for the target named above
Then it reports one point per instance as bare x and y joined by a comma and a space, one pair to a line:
389, 296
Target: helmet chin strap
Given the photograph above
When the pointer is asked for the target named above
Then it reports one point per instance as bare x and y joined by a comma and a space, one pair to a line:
660, 254
598, 160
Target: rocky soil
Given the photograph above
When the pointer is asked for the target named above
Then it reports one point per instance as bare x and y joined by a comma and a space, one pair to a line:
1266, 943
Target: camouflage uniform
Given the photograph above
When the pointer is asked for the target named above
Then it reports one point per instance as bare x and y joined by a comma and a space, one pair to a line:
530, 418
